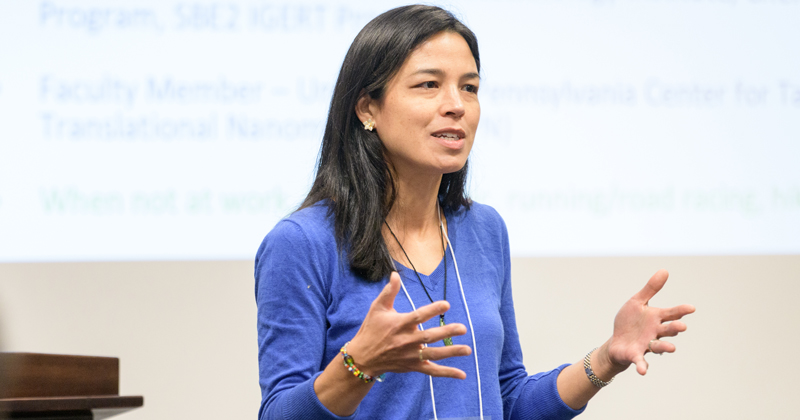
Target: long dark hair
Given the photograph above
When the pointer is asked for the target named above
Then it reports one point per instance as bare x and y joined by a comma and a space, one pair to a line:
352, 173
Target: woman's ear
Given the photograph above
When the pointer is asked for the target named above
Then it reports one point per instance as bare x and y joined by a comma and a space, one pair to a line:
363, 108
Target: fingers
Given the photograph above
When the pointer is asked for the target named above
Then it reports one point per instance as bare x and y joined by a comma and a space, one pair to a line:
427, 354
432, 335
671, 329
433, 369
641, 365
653, 286
439, 353
385, 299
677, 312
659, 347
427, 312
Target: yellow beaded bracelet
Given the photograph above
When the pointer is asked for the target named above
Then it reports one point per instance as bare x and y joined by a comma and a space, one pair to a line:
350, 365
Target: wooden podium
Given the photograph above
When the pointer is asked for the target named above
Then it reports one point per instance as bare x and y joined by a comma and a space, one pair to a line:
60, 387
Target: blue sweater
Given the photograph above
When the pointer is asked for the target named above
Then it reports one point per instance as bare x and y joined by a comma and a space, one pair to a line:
310, 303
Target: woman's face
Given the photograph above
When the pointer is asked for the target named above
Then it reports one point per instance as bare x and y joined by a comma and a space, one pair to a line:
429, 112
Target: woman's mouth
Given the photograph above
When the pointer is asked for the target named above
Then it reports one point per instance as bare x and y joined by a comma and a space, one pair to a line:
450, 138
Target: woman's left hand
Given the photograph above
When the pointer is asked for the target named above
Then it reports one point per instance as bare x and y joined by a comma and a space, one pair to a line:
639, 327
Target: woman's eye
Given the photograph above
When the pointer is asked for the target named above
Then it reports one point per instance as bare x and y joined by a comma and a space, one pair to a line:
428, 85
471, 88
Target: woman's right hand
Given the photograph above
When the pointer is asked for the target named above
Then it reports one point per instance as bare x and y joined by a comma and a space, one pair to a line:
389, 341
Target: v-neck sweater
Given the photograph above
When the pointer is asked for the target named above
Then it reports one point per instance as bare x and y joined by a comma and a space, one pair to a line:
310, 303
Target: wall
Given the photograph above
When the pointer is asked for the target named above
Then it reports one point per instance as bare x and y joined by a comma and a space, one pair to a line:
185, 331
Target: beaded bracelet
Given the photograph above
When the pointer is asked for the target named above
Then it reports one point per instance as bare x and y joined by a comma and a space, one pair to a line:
350, 365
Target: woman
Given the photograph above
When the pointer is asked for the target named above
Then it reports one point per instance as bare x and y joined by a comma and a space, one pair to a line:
388, 212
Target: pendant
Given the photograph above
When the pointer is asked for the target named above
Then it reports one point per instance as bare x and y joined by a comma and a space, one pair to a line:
448, 341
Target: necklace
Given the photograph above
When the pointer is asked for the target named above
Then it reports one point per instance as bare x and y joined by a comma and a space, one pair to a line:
448, 341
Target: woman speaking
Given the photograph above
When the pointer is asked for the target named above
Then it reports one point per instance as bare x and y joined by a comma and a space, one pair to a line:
387, 295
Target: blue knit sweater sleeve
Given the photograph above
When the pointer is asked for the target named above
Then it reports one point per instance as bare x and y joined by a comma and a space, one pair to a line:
524, 397
291, 297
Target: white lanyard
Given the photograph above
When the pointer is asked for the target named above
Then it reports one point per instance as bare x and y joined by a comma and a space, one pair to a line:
469, 319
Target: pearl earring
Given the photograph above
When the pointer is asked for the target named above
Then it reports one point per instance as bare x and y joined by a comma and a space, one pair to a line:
369, 124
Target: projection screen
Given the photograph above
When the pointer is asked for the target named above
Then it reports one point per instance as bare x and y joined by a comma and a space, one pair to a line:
170, 130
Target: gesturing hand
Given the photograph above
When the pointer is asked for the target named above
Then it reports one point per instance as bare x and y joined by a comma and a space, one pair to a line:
389, 341
636, 324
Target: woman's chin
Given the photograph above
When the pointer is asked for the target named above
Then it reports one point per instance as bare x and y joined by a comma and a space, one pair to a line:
453, 166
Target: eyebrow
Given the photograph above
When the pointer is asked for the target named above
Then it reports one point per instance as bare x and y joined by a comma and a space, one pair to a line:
440, 73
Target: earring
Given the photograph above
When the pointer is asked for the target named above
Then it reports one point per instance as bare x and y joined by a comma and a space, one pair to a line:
369, 124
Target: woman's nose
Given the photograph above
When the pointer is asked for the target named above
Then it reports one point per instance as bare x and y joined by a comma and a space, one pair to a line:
452, 103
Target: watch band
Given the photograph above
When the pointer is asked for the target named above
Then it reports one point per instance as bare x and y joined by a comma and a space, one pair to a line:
587, 366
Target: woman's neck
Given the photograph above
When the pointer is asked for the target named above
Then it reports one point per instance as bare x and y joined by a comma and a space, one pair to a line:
416, 208
414, 221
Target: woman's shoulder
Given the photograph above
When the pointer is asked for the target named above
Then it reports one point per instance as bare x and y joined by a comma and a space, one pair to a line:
482, 224
305, 228
313, 221
480, 214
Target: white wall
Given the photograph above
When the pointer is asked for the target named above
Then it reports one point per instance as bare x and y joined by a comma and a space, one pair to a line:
185, 331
